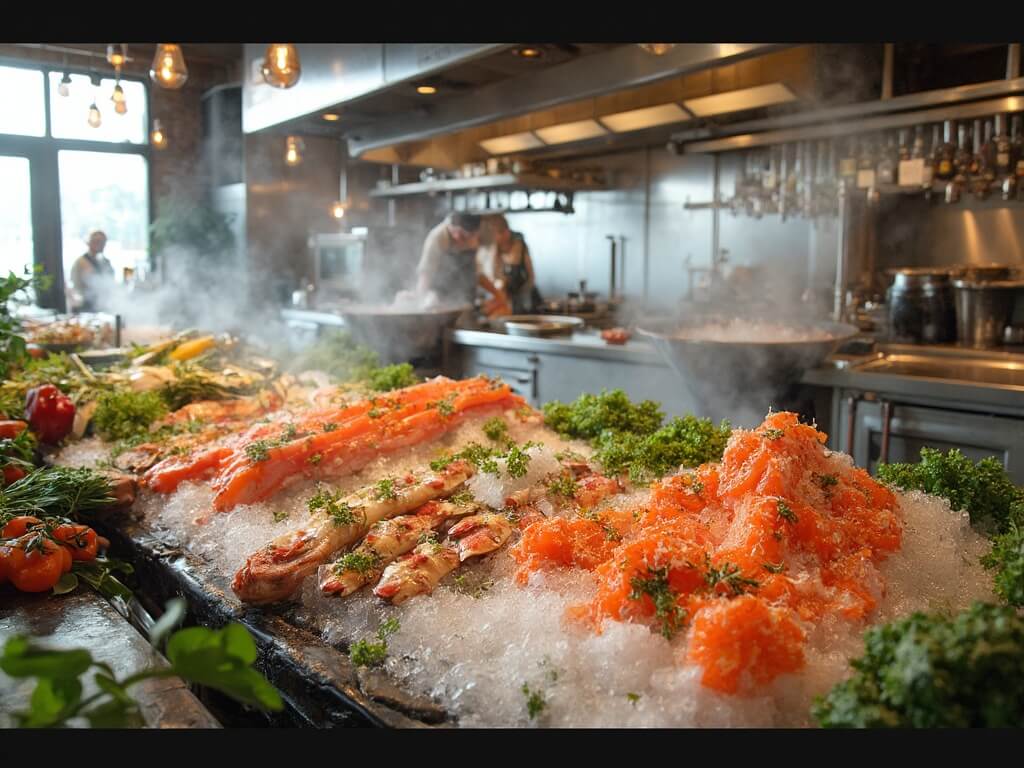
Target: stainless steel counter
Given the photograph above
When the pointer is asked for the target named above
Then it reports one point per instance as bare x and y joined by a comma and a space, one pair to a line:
588, 344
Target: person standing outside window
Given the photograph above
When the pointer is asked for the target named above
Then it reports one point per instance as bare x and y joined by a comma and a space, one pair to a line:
91, 275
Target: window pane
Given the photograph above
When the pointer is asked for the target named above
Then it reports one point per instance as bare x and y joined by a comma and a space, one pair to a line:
15, 216
109, 192
69, 115
22, 112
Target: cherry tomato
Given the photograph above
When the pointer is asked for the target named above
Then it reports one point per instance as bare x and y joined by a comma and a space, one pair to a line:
13, 474
17, 526
12, 428
80, 540
68, 560
38, 570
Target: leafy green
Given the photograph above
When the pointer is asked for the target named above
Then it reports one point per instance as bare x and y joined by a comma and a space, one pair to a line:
13, 350
364, 653
123, 414
983, 489
590, 415
1007, 560
935, 671
219, 659
517, 462
391, 377
360, 562
332, 505
688, 441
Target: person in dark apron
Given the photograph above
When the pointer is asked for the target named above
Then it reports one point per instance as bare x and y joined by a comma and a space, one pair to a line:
508, 265
448, 264
90, 274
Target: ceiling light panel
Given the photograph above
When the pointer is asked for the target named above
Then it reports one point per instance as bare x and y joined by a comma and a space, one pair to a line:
575, 131
737, 101
648, 117
514, 142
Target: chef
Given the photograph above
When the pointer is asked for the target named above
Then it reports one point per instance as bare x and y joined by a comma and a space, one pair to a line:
91, 276
448, 266
506, 271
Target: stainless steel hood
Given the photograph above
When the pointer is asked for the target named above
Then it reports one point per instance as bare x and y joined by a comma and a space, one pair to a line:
371, 87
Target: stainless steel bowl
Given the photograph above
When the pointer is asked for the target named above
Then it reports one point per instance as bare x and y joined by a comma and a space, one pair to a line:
400, 336
540, 325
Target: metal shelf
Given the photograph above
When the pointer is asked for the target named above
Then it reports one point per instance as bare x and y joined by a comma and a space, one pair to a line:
495, 182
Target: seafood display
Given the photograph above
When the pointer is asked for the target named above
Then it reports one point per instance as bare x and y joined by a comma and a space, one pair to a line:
626, 571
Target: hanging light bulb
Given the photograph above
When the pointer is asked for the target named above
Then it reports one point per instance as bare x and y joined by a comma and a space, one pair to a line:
117, 55
120, 105
64, 88
293, 150
658, 49
95, 118
338, 209
168, 69
281, 66
157, 137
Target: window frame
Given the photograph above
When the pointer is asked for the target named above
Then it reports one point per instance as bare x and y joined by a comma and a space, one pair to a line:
41, 151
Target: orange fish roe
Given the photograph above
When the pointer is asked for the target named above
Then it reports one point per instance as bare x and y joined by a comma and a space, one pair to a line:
736, 556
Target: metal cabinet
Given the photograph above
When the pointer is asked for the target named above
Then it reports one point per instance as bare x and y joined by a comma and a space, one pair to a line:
543, 377
886, 429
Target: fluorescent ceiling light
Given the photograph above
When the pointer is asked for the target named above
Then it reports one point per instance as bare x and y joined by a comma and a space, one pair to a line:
566, 132
648, 117
736, 101
514, 142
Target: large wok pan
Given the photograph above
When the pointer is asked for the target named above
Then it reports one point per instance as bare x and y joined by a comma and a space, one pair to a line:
400, 335
727, 378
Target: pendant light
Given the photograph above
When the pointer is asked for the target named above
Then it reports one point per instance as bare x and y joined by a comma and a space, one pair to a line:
64, 88
168, 69
658, 49
95, 118
281, 67
157, 137
293, 150
117, 55
120, 104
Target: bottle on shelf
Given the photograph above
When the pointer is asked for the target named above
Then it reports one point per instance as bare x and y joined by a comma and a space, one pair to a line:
911, 168
866, 165
928, 171
945, 153
980, 170
885, 171
848, 161
974, 142
1017, 154
963, 159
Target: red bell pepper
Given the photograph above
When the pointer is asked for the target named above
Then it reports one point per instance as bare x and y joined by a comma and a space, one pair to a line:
50, 413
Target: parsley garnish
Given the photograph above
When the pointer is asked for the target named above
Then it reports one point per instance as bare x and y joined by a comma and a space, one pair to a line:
366, 654
727, 574
329, 426
496, 429
360, 562
666, 607
517, 461
633, 698
773, 434
563, 485
280, 515
786, 513
315, 459
535, 703
385, 490
774, 568
462, 498
331, 505
259, 450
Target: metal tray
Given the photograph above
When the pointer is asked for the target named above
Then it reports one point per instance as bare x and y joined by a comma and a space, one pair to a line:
540, 325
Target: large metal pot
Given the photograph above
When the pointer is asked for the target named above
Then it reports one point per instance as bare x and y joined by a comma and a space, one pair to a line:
920, 304
983, 310
727, 378
401, 336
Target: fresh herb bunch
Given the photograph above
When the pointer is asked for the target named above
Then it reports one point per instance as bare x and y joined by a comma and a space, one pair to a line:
983, 489
13, 350
121, 415
219, 659
193, 382
18, 451
535, 703
1007, 560
56, 492
364, 653
391, 377
590, 415
935, 671
986, 492
688, 441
